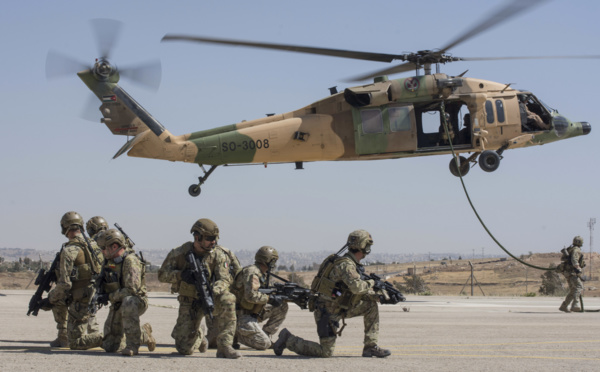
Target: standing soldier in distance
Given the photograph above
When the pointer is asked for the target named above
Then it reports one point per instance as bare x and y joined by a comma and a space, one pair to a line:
212, 330
80, 260
341, 294
255, 307
125, 287
572, 269
177, 271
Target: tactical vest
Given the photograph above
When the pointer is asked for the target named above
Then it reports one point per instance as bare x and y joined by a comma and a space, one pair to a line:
85, 265
328, 290
238, 290
113, 275
565, 265
183, 288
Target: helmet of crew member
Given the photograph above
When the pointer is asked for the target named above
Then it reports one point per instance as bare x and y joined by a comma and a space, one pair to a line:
205, 227
95, 225
360, 240
267, 256
111, 236
578, 241
69, 221
100, 238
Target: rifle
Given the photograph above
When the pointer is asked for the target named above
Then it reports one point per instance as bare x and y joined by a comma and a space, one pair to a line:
98, 281
44, 282
394, 294
129, 241
203, 288
291, 292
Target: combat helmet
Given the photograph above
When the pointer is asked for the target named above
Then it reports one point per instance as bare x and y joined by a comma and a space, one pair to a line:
111, 236
360, 240
267, 256
578, 241
70, 220
95, 225
205, 227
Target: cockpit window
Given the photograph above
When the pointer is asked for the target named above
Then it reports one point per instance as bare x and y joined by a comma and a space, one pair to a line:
500, 110
489, 112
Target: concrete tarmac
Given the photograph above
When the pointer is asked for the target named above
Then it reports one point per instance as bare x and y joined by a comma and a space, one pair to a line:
437, 334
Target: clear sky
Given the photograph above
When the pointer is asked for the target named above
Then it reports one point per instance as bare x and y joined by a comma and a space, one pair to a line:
52, 161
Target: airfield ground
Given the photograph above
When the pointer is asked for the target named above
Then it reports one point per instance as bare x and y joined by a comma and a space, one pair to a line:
439, 333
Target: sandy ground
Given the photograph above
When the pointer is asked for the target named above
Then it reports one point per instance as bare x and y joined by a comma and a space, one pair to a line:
438, 333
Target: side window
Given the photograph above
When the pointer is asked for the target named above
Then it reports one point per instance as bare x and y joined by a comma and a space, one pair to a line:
399, 119
372, 122
500, 110
489, 112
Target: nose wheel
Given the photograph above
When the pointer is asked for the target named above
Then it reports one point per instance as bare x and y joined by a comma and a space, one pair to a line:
194, 189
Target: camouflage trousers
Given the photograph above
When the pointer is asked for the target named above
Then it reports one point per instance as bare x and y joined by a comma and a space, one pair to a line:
249, 332
575, 289
212, 331
61, 314
83, 331
327, 320
187, 332
122, 327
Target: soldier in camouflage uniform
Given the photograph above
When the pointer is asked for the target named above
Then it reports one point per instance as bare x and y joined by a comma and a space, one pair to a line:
94, 226
212, 330
572, 266
80, 260
341, 294
177, 271
255, 307
124, 285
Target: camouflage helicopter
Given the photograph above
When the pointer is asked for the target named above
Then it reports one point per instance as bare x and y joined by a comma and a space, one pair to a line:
426, 114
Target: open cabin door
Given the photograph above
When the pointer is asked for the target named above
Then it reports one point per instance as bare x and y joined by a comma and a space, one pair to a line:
384, 129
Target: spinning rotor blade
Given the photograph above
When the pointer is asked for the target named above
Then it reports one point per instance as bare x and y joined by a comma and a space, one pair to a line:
379, 57
106, 32
592, 56
60, 65
405, 67
148, 74
502, 14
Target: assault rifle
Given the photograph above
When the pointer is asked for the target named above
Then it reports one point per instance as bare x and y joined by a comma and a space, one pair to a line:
129, 241
290, 292
203, 288
394, 295
44, 282
99, 297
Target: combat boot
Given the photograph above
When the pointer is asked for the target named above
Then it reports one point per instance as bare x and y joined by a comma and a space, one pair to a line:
375, 351
129, 351
575, 309
203, 345
280, 345
61, 340
151, 340
228, 352
564, 307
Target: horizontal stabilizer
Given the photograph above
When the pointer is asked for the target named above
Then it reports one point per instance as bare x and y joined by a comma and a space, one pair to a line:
129, 144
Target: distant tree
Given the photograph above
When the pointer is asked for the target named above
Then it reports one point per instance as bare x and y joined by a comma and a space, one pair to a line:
315, 266
292, 268
460, 257
27, 261
412, 284
1, 259
295, 278
282, 268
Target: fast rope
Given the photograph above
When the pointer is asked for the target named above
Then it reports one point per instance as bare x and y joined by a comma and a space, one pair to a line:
443, 112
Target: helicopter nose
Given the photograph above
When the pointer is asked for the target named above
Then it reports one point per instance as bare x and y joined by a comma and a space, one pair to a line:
586, 127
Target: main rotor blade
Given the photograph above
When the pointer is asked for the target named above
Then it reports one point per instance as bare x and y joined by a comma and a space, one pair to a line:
147, 74
61, 65
527, 57
379, 57
408, 66
502, 14
106, 31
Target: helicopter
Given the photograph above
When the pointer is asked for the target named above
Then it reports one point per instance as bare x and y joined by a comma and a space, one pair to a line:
422, 115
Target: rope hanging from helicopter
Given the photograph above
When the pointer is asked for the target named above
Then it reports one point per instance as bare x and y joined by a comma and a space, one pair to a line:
443, 113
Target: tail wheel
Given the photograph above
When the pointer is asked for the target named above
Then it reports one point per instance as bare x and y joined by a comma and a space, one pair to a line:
489, 160
464, 166
194, 190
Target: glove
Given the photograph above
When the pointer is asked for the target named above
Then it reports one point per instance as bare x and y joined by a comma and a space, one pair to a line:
578, 271
45, 304
187, 276
103, 298
275, 300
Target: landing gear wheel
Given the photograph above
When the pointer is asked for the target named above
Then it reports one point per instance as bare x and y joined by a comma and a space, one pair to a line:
464, 166
194, 190
489, 160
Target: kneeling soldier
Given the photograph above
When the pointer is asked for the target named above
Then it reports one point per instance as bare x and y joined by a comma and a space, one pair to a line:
253, 306
124, 285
